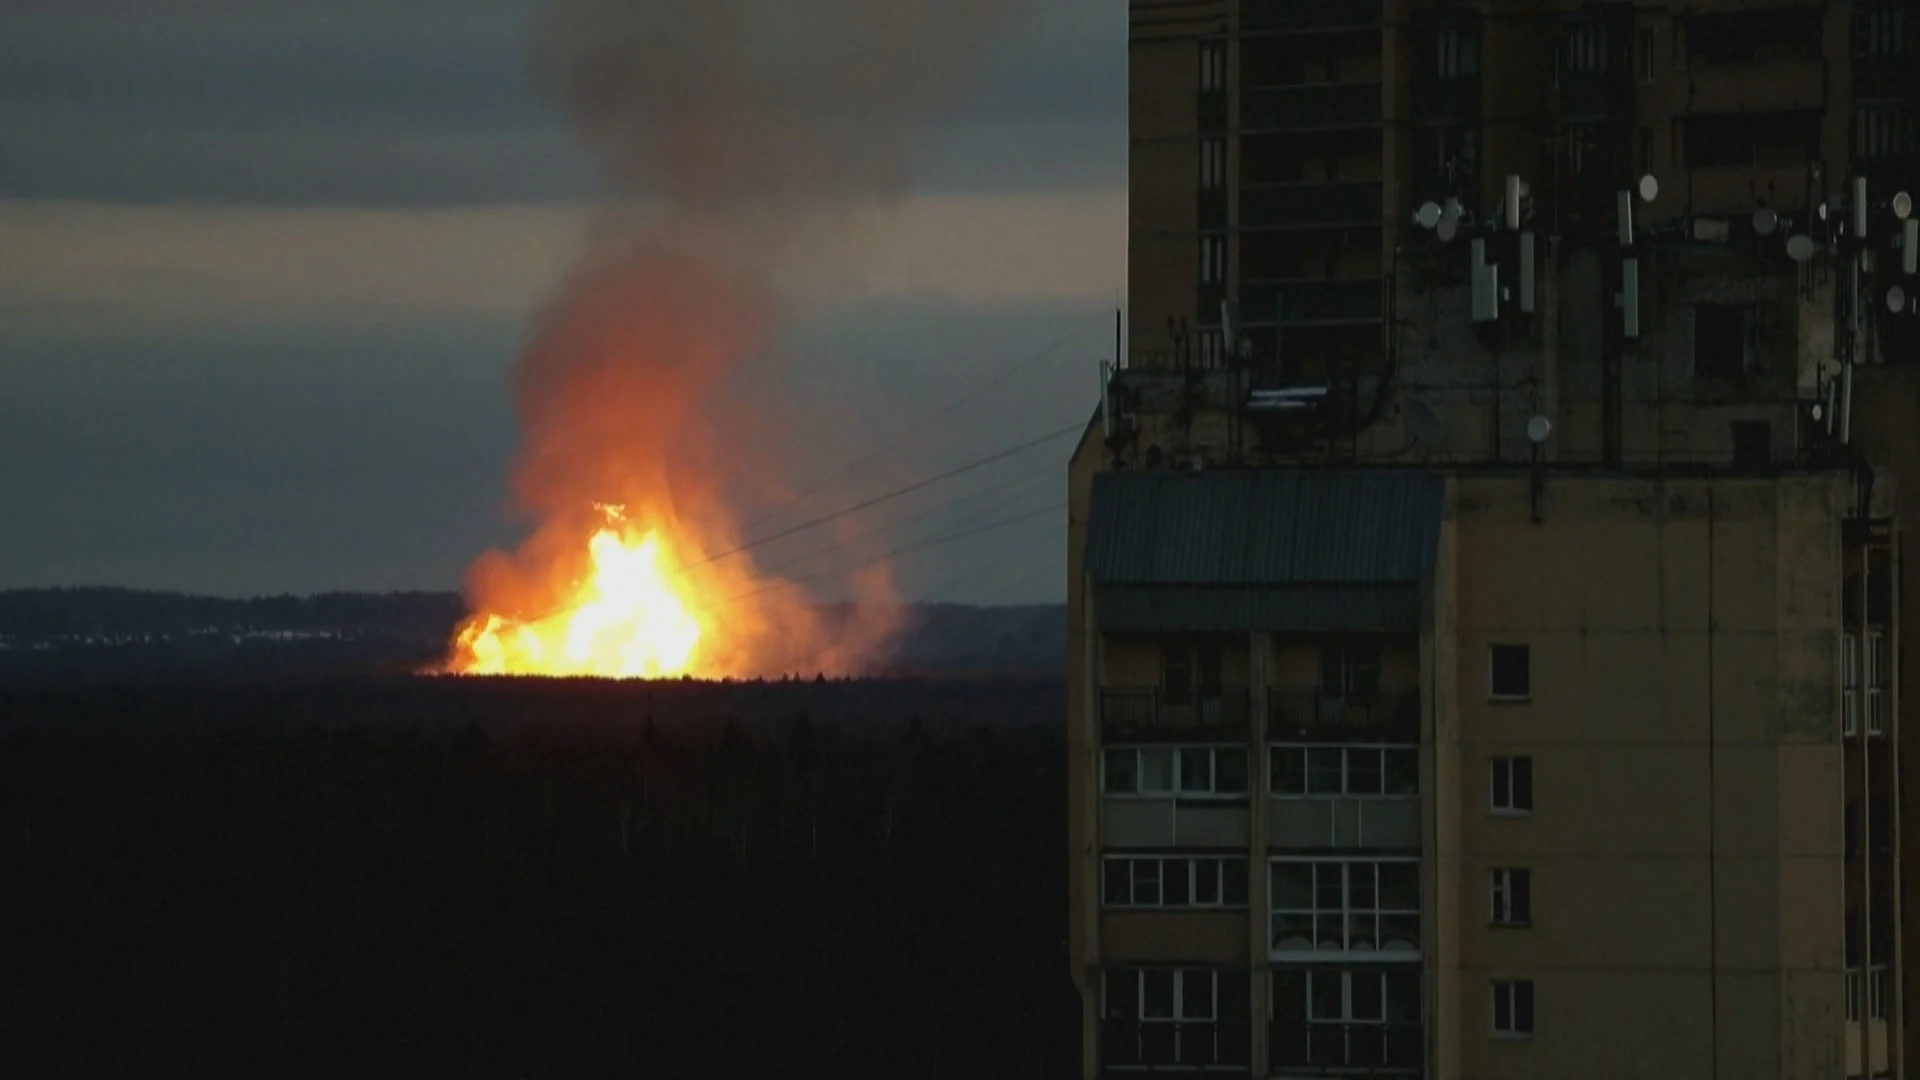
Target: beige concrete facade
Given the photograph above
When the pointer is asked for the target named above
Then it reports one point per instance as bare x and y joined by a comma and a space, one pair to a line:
1298, 841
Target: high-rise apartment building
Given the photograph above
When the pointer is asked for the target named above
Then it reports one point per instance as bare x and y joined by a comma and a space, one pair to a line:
1486, 565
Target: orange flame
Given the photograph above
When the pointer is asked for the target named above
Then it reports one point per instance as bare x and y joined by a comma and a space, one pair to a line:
631, 618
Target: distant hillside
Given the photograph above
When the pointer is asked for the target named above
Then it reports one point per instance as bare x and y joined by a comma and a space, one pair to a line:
78, 632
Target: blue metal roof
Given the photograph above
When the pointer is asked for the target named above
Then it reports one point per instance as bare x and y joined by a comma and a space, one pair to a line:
1264, 527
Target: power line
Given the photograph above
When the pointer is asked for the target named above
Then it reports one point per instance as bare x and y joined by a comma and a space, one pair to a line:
1021, 483
991, 383
917, 485
922, 545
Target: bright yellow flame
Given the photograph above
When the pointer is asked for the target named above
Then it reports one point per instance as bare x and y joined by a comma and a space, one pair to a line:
629, 619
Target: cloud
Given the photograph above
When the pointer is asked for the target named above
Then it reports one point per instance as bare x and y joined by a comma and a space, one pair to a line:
91, 271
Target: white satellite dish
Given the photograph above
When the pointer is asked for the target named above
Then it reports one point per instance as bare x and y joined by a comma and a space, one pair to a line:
1428, 215
1800, 247
1539, 429
1896, 299
1819, 412
1649, 188
1902, 205
1448, 228
1765, 221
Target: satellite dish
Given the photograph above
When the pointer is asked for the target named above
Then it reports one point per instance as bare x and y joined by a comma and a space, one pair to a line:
1453, 209
1422, 422
1819, 412
1649, 188
1765, 221
1448, 228
1800, 247
1902, 205
1539, 429
1428, 215
1822, 211
1896, 299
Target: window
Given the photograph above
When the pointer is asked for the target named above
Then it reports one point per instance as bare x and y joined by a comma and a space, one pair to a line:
1646, 54
1753, 37
1350, 673
1513, 1007
1213, 164
1213, 351
1213, 259
1511, 895
1877, 989
1509, 672
1364, 1019
1646, 151
1587, 48
1186, 881
1512, 785
1320, 771
1752, 444
1879, 663
1188, 771
1853, 995
1174, 1016
1331, 905
1213, 67
1720, 341
1880, 29
1882, 130
1457, 53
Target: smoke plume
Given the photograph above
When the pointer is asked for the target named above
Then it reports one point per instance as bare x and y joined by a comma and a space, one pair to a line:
731, 136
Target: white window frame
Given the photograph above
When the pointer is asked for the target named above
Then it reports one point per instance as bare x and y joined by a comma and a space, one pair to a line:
1213, 67
1501, 893
1213, 259
1344, 757
1586, 50
1143, 867
1351, 918
1176, 777
1510, 989
1854, 993
1500, 796
1186, 1008
1492, 694
1336, 1028
1882, 30
1213, 164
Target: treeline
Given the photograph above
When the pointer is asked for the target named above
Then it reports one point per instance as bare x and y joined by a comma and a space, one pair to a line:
702, 900
54, 634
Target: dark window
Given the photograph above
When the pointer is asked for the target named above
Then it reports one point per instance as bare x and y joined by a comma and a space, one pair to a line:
1752, 444
1509, 671
1881, 29
1588, 48
1882, 130
1456, 53
1646, 151
1511, 897
1350, 673
1513, 1007
1511, 780
1176, 674
1213, 67
1646, 54
1719, 341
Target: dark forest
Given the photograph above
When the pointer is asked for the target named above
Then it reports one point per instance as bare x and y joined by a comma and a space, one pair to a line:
431, 877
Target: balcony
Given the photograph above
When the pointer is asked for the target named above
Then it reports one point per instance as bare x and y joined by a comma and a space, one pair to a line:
1297, 15
1148, 713
1591, 96
1331, 107
1170, 1046
1310, 206
1309, 716
1400, 1049
1316, 302
1447, 101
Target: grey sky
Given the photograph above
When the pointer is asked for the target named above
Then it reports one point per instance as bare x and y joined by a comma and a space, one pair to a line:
268, 262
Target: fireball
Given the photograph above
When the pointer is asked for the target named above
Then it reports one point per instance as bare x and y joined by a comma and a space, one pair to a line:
634, 615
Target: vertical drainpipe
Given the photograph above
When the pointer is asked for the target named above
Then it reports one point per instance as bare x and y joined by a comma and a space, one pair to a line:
1549, 283
1259, 816
1863, 657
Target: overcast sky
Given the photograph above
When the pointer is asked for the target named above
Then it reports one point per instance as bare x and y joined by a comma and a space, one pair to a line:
264, 265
